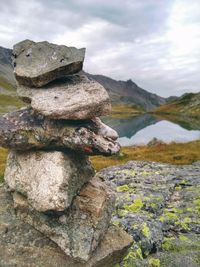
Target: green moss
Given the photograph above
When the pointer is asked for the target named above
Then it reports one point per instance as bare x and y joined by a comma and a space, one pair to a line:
183, 237
129, 172
184, 223
169, 216
183, 181
145, 230
178, 187
146, 173
134, 254
122, 213
189, 209
167, 244
135, 207
122, 188
197, 205
117, 222
153, 262
176, 210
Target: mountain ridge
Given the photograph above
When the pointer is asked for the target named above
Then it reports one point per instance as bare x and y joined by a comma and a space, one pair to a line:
128, 93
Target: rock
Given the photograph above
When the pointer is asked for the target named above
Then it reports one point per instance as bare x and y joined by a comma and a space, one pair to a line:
159, 205
22, 245
78, 230
36, 64
72, 98
26, 129
50, 180
105, 130
155, 142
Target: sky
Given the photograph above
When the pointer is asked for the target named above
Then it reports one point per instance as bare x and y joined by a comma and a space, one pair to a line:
156, 43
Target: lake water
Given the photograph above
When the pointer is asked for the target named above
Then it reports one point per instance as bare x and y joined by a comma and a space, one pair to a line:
142, 129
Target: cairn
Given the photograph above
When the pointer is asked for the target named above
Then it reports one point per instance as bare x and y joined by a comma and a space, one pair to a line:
48, 172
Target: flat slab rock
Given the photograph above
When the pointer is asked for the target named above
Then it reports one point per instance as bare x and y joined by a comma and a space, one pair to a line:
73, 98
36, 64
50, 180
23, 246
26, 129
159, 205
78, 230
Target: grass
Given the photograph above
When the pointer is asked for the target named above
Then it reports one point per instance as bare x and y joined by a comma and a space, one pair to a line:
3, 156
9, 103
125, 111
173, 153
6, 85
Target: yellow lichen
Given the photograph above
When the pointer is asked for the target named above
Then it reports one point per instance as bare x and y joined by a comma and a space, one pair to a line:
153, 262
145, 230
135, 207
122, 188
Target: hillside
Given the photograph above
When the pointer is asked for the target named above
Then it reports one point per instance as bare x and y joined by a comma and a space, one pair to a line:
8, 99
122, 93
188, 104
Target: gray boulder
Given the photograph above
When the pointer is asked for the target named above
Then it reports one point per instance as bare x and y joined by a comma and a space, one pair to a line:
78, 230
22, 245
50, 180
36, 64
26, 129
73, 98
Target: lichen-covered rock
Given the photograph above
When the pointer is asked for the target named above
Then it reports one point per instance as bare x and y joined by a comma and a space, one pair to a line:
72, 98
159, 205
26, 129
50, 180
36, 64
22, 245
78, 230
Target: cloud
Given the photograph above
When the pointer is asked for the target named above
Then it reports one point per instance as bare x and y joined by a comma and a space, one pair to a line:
155, 43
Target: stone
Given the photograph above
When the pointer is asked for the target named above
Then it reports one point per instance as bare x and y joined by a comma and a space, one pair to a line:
37, 64
78, 230
159, 205
49, 180
72, 98
26, 129
105, 130
22, 245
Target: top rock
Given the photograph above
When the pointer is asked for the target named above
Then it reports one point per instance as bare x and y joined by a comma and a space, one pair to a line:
37, 64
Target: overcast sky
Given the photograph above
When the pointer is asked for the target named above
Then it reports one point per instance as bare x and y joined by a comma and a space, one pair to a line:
156, 43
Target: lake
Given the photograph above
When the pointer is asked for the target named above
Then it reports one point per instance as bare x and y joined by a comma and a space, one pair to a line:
142, 129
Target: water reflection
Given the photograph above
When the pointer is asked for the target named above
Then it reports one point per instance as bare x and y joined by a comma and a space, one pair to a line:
142, 129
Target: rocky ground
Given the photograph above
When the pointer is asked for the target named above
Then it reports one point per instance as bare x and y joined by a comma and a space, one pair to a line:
158, 204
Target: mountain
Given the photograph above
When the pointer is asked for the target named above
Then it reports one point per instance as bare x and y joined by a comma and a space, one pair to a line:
121, 92
188, 104
128, 93
6, 69
8, 99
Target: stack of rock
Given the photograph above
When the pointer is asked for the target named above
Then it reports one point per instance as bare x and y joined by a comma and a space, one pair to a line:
53, 184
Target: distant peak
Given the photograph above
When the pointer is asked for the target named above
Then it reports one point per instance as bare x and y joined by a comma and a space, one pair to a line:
129, 81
